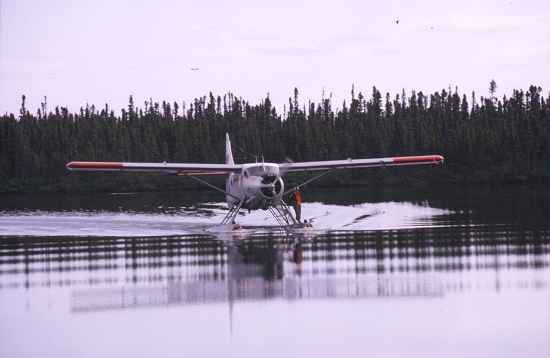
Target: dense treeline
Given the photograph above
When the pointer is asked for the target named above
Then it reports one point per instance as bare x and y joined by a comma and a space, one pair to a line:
483, 139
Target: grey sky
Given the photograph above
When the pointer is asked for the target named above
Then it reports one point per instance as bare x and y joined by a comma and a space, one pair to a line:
101, 51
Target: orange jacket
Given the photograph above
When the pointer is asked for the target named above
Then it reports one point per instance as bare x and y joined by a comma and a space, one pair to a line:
298, 198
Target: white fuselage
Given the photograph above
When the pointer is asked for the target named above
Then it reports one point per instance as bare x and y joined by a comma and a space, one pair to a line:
258, 186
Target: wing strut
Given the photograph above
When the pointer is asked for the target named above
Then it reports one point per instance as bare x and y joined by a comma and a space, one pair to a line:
308, 181
202, 181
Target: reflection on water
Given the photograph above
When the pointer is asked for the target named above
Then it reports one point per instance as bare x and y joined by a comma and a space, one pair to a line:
121, 273
454, 273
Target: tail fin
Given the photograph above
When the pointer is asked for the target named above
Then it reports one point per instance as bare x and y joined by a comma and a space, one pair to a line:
228, 152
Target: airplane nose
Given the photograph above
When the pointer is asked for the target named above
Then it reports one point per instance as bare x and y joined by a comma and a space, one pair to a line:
271, 186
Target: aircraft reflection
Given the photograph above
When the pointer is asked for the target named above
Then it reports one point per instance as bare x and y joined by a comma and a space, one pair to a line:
256, 271
121, 273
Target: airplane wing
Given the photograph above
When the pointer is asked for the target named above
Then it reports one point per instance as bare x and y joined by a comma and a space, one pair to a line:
361, 163
169, 168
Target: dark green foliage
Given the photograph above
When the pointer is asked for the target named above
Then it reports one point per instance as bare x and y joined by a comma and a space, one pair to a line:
487, 140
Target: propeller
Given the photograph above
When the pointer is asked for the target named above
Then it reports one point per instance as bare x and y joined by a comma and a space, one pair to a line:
271, 185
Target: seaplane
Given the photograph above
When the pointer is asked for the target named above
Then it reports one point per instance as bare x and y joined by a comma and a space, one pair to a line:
255, 186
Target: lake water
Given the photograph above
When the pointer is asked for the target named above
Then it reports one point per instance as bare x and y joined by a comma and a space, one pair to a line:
447, 272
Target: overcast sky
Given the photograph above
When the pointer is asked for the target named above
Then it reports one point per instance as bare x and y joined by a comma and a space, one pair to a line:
76, 52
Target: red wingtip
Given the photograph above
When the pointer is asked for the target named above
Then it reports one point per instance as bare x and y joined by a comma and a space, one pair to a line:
419, 159
94, 165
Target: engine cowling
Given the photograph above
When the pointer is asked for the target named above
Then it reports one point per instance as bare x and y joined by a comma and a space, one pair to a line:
272, 186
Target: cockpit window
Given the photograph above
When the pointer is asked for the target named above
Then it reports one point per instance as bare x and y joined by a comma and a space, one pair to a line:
263, 170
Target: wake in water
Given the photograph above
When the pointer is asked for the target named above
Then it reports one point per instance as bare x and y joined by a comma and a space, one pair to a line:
379, 216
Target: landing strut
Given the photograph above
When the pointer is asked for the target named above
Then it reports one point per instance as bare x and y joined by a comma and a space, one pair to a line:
232, 213
282, 214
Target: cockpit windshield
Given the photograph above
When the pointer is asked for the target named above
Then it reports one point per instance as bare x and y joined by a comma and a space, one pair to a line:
263, 170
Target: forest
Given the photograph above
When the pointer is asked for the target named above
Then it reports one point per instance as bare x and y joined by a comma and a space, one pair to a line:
485, 140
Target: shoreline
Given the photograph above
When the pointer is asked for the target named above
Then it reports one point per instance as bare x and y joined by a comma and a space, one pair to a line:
127, 183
